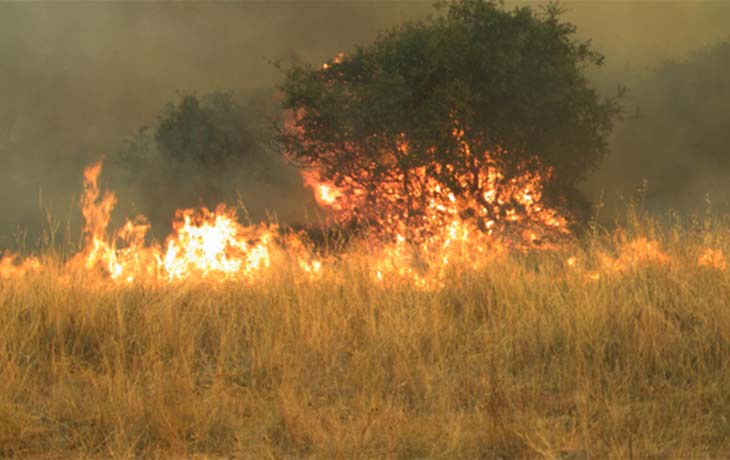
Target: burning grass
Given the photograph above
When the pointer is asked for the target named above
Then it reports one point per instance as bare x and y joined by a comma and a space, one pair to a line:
617, 345
526, 357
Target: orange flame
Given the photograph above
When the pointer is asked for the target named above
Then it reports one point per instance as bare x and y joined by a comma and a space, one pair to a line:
712, 258
326, 194
213, 245
205, 243
10, 265
419, 205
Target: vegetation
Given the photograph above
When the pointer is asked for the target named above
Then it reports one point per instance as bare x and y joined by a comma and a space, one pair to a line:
506, 81
613, 345
525, 358
209, 131
679, 139
202, 150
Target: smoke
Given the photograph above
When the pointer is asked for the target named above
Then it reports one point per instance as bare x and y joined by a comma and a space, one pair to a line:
678, 137
84, 77
80, 78
665, 55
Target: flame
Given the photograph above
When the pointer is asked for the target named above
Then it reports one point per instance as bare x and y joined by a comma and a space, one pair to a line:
326, 193
124, 256
635, 253
424, 251
420, 206
425, 231
206, 243
11, 266
336, 60
438, 235
712, 258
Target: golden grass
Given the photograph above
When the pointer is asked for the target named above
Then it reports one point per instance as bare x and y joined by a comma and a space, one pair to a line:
525, 358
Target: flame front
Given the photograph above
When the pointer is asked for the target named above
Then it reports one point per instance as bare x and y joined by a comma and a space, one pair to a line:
419, 205
326, 194
425, 232
203, 244
712, 258
449, 236
206, 243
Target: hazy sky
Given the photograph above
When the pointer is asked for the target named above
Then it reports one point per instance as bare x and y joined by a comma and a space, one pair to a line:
77, 78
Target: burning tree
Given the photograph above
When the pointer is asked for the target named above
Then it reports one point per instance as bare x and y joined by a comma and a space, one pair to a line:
475, 114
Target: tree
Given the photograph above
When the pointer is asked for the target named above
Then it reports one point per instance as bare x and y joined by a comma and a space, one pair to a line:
203, 150
441, 102
207, 132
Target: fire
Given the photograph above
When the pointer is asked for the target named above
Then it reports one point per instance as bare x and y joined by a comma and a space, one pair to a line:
635, 253
425, 231
124, 255
712, 258
204, 243
629, 255
445, 235
326, 194
419, 204
207, 242
450, 235
337, 60
11, 266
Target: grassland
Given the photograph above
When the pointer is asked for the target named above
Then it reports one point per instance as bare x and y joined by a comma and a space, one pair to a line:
526, 358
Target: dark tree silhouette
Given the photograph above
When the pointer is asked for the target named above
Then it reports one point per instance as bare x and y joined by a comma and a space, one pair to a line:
207, 131
202, 150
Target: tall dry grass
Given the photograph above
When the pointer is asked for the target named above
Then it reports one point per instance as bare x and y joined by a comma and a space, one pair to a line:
526, 358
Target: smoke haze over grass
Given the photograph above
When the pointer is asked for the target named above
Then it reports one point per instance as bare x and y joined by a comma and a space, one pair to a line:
79, 78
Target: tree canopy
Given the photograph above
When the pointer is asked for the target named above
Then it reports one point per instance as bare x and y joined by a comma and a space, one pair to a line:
431, 96
204, 149
207, 131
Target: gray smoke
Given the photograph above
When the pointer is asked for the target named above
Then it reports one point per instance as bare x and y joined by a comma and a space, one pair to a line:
78, 79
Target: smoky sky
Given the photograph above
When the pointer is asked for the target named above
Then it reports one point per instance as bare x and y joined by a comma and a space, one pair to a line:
76, 79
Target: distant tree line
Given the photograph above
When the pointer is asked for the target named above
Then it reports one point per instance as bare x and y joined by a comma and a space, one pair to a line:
679, 139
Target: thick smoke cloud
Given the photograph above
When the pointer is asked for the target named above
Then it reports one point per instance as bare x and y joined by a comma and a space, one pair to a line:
79, 78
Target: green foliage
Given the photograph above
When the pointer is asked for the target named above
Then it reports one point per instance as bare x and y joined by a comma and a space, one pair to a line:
207, 131
202, 150
511, 80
